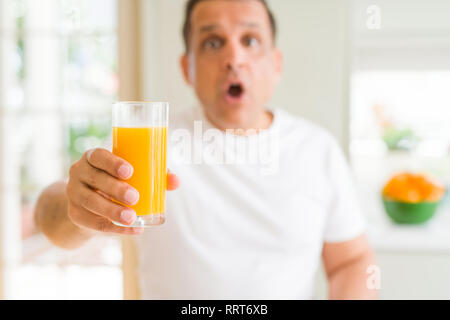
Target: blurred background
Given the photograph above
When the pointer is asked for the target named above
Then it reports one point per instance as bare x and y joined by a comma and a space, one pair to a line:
374, 73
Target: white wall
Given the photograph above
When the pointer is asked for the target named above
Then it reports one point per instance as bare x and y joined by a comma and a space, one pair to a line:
162, 47
413, 34
313, 35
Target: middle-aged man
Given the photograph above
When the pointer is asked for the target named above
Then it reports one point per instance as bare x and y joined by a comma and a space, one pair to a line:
233, 231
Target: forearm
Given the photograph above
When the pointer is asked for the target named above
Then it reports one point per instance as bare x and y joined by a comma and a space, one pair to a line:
51, 218
350, 280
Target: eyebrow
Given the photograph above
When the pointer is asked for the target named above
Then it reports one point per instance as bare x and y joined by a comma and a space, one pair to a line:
212, 27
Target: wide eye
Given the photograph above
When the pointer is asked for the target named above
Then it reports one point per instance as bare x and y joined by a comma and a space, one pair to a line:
213, 43
250, 41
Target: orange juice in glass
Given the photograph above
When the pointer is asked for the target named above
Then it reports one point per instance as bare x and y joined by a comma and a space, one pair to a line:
140, 132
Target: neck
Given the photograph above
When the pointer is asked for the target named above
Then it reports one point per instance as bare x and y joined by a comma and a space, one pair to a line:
263, 122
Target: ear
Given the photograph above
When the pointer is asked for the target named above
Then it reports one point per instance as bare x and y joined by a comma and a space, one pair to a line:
184, 63
279, 64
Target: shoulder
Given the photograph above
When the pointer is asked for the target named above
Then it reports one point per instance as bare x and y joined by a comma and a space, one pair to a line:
320, 147
304, 130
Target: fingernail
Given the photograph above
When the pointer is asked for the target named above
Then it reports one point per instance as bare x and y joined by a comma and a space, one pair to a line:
128, 216
125, 171
89, 153
131, 196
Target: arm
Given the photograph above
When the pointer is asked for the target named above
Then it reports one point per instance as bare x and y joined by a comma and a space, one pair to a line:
69, 214
346, 266
52, 220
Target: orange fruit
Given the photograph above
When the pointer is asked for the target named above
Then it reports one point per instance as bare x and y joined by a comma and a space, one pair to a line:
413, 188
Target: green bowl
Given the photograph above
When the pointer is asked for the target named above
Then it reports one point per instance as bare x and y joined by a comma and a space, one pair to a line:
410, 213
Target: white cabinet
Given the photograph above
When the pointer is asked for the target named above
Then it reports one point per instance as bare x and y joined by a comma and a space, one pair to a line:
407, 275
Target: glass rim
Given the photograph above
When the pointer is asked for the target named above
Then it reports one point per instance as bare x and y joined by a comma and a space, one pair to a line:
130, 114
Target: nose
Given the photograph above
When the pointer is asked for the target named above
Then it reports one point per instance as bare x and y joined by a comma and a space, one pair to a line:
235, 57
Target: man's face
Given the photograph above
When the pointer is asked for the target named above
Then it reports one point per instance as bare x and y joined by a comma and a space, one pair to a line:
232, 62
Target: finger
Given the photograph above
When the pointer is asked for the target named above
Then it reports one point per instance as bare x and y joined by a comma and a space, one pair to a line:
105, 160
85, 219
104, 195
107, 184
99, 205
173, 182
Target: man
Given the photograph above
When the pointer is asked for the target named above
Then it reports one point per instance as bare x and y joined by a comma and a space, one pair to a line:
231, 232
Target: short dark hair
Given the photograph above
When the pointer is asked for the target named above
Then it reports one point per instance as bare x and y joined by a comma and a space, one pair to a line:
190, 5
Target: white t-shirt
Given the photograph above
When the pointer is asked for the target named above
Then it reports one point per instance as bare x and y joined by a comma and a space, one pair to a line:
243, 229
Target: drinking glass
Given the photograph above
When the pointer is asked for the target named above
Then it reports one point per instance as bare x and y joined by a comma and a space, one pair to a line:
140, 138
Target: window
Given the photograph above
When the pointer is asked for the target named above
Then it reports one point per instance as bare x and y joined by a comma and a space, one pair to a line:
400, 106
417, 102
58, 69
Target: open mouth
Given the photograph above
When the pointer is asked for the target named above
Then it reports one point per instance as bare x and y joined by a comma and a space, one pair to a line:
235, 90
235, 93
